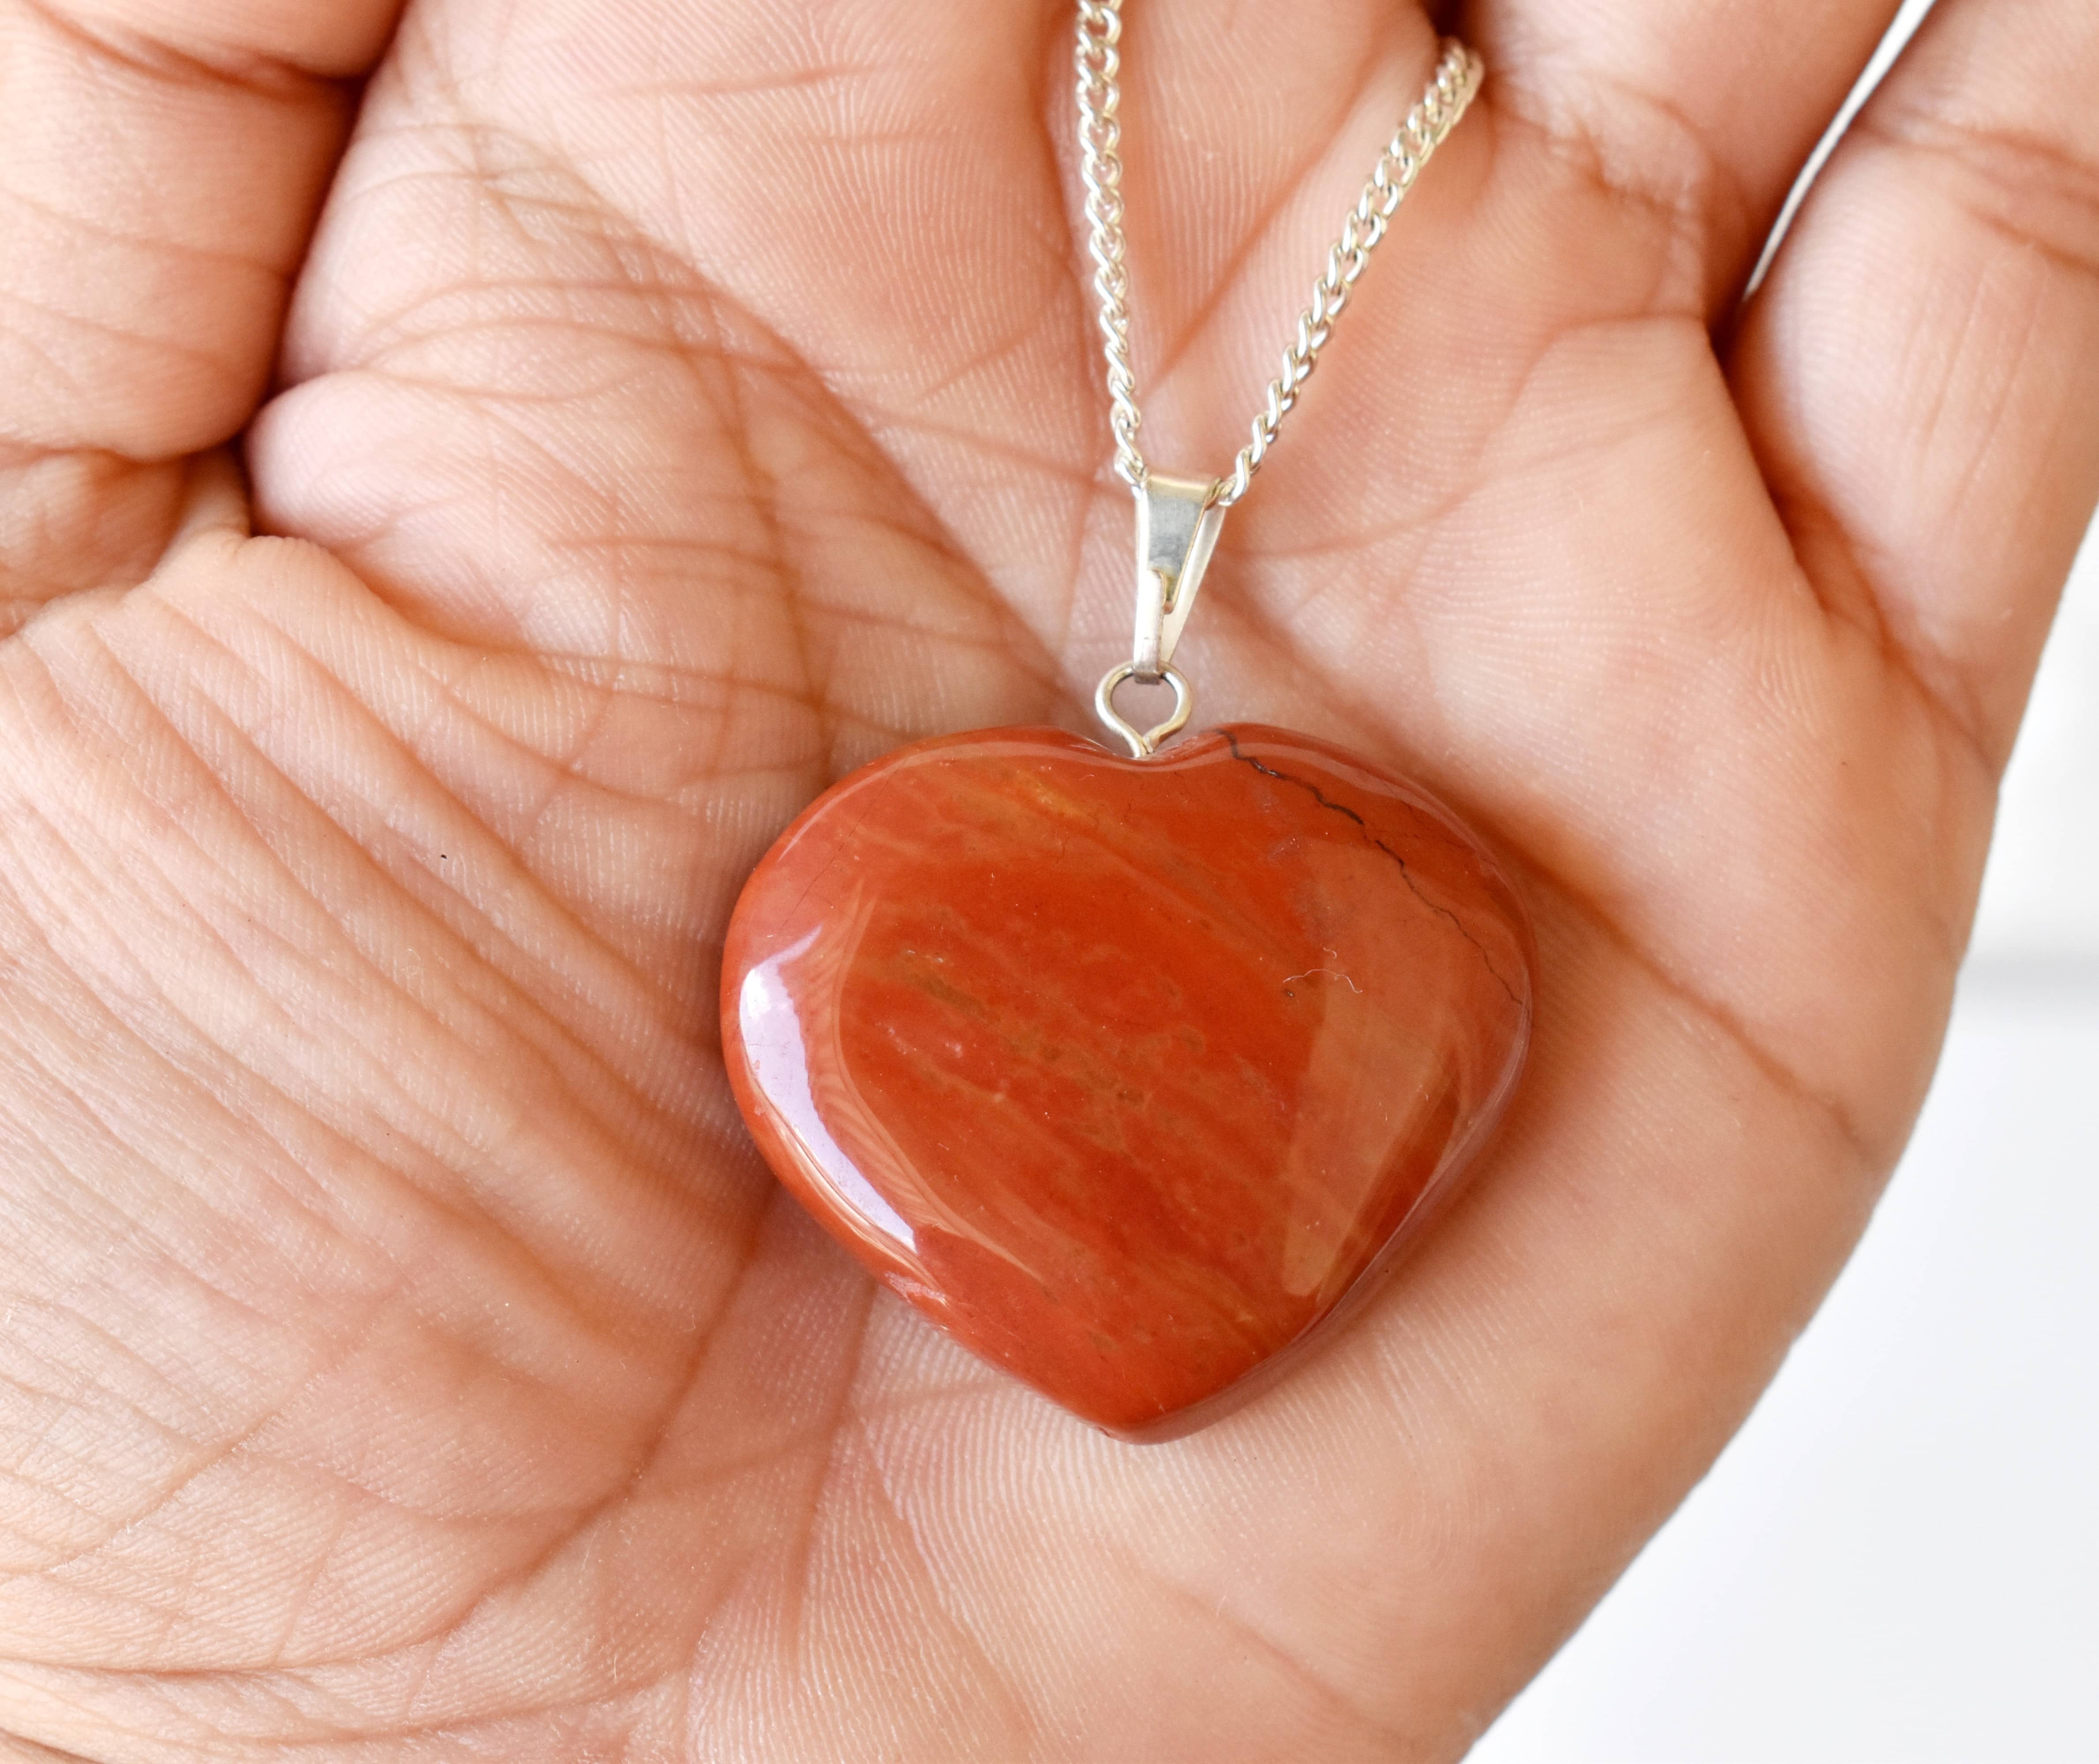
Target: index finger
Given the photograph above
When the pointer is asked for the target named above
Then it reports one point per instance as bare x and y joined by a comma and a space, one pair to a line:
161, 163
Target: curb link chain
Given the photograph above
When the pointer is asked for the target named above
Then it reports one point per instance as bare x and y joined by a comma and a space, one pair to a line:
1098, 60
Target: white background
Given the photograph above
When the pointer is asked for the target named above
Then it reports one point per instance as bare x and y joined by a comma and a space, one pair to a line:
1897, 1561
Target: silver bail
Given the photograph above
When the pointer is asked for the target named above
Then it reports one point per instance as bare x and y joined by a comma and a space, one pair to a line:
1178, 520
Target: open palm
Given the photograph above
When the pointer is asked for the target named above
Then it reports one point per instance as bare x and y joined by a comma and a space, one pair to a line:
680, 402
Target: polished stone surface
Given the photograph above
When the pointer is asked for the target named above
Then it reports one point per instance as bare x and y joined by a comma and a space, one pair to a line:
1126, 1073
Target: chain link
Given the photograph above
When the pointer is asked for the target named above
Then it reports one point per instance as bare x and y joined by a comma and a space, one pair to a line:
1099, 64
1100, 164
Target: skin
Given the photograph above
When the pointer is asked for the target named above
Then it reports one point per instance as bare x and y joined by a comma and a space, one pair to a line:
659, 409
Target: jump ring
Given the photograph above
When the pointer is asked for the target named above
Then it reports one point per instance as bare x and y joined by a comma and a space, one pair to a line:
1143, 744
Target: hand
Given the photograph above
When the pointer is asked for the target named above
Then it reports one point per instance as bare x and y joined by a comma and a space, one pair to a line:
404, 1356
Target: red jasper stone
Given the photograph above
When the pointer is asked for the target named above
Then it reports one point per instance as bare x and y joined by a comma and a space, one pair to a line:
1126, 1073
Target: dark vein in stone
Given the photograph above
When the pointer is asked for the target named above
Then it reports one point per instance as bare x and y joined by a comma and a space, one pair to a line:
1325, 801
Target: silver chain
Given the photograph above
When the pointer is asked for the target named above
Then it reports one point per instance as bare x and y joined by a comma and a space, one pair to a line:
1099, 61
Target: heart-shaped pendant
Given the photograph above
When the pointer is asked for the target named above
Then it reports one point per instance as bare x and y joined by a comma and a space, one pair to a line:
1128, 1073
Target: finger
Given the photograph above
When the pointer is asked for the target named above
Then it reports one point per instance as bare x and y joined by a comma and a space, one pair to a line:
1921, 372
914, 151
1703, 110
637, 365
160, 166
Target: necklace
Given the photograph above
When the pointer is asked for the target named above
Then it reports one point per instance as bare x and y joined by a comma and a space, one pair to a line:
1131, 1073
